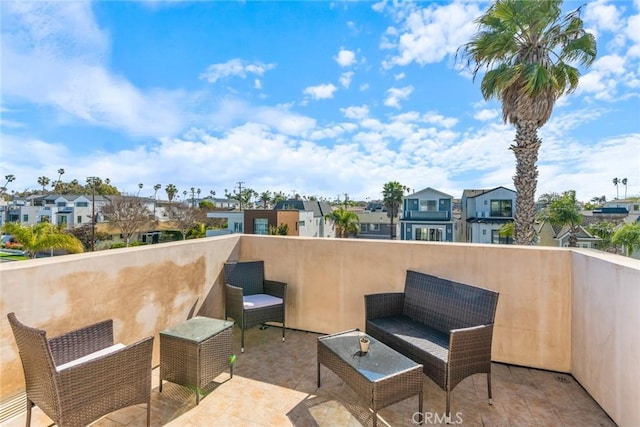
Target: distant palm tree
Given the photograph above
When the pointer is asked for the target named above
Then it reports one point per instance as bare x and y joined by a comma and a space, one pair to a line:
59, 181
265, 198
43, 181
9, 178
139, 188
624, 182
392, 194
528, 48
171, 190
40, 237
564, 211
616, 181
155, 190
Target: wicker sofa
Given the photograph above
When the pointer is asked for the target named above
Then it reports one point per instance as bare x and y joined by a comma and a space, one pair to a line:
444, 325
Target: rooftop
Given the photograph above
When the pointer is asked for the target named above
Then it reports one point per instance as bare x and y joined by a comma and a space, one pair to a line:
274, 384
565, 341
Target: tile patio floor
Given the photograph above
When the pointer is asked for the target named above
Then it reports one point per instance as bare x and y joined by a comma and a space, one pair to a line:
274, 384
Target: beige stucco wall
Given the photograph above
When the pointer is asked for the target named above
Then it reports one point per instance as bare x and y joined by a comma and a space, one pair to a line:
328, 277
605, 331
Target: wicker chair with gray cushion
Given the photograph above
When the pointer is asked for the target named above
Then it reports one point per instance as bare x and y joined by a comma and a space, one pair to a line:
250, 299
80, 376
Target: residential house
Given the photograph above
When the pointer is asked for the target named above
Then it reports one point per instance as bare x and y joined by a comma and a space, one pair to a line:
376, 225
258, 221
311, 221
427, 215
484, 212
234, 222
557, 235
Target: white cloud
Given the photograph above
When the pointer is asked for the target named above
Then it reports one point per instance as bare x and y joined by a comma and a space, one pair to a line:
257, 84
364, 87
346, 58
399, 76
234, 68
486, 114
429, 34
345, 79
602, 16
395, 95
324, 91
356, 113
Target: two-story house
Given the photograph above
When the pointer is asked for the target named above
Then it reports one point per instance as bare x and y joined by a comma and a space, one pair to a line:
376, 225
484, 212
427, 215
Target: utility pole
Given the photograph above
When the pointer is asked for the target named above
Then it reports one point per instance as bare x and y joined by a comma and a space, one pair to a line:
240, 192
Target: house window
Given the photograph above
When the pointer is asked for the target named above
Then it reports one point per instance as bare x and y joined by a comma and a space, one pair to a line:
428, 205
62, 204
260, 226
497, 240
45, 218
50, 202
430, 234
237, 227
82, 204
25, 218
374, 227
363, 227
501, 208
79, 219
301, 223
62, 220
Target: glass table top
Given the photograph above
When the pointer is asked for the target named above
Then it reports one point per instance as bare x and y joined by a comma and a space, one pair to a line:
198, 328
379, 362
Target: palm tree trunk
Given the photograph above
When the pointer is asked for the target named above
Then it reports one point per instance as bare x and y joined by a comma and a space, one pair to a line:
527, 145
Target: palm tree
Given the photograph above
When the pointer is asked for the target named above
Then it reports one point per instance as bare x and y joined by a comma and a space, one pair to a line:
155, 190
623, 181
616, 181
628, 236
40, 237
265, 198
43, 181
527, 48
9, 178
392, 194
344, 221
59, 181
139, 188
564, 211
171, 190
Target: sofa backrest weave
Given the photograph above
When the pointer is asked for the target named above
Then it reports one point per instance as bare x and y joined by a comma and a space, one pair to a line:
445, 305
248, 275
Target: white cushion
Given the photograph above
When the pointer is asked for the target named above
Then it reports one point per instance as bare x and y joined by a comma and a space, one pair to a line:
106, 350
260, 300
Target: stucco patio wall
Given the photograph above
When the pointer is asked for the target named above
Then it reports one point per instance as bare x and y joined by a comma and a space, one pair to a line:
559, 309
605, 331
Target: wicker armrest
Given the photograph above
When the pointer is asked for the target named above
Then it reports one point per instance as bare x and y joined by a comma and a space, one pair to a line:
81, 342
127, 370
233, 303
383, 305
277, 289
470, 345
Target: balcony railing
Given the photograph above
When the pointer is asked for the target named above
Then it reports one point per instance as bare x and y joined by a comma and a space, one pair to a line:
427, 215
564, 310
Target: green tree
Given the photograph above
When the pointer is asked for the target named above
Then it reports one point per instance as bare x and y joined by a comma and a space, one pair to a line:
184, 218
171, 190
527, 48
604, 230
278, 197
280, 230
392, 194
627, 236
265, 198
40, 237
506, 232
346, 222
43, 181
563, 211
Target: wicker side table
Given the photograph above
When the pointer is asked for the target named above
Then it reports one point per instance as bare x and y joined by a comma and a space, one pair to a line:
196, 351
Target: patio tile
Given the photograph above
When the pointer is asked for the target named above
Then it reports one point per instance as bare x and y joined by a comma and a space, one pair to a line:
274, 384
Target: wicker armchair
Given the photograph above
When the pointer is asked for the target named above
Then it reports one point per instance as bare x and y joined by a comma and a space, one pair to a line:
80, 376
250, 299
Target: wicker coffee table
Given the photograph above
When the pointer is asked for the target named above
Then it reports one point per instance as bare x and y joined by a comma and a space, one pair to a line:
382, 375
194, 352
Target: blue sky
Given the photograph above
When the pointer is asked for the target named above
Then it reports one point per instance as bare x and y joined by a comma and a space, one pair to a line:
319, 98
